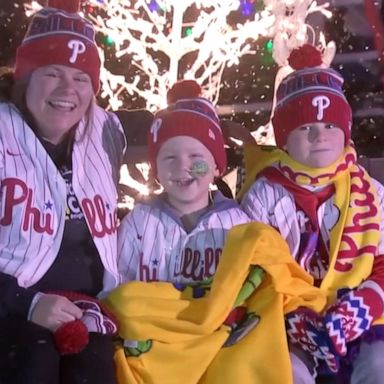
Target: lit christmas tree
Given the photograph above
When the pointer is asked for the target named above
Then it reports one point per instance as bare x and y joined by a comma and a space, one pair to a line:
166, 40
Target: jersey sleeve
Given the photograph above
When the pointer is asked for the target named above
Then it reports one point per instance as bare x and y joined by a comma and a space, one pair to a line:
129, 244
255, 202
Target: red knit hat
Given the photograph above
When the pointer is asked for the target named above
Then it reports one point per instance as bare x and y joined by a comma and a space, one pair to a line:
189, 115
59, 35
310, 94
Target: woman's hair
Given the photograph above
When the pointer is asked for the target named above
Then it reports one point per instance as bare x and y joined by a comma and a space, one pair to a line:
6, 84
13, 91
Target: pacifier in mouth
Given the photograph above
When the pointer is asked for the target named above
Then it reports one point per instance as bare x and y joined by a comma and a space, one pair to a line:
199, 169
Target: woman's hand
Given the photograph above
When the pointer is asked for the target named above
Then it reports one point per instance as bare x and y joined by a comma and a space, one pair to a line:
51, 311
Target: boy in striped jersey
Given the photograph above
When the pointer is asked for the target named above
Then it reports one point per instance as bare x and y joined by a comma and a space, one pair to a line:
330, 211
178, 236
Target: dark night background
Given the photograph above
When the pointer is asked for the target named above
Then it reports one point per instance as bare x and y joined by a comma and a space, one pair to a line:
250, 84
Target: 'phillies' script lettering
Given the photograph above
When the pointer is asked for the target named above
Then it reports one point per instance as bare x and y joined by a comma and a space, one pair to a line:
195, 265
95, 210
199, 266
101, 219
16, 192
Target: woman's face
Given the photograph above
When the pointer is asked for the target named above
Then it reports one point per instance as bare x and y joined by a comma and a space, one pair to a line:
58, 98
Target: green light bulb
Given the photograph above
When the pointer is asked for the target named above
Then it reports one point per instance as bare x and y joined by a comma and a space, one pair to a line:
269, 46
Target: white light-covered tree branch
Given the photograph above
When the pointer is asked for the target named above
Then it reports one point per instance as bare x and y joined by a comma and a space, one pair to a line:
290, 31
143, 34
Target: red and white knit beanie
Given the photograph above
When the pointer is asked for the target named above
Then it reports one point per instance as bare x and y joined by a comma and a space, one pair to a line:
57, 34
188, 115
310, 94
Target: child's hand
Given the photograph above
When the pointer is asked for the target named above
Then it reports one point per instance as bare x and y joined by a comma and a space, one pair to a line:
351, 316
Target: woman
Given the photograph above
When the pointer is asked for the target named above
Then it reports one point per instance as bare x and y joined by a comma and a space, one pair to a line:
59, 157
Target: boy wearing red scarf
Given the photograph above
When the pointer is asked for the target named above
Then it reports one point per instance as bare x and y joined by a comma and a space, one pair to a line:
329, 210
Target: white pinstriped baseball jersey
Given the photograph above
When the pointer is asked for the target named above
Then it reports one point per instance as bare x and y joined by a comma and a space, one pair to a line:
33, 193
154, 246
272, 204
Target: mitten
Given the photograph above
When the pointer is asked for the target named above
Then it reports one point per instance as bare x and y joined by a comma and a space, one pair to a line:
72, 337
96, 318
306, 329
351, 316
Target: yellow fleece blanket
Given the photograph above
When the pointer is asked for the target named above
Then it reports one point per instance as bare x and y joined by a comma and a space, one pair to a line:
355, 236
187, 334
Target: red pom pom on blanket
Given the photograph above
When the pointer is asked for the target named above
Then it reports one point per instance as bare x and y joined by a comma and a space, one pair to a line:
71, 338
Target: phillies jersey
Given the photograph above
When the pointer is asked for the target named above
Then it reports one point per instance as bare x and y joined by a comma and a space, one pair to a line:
272, 204
34, 193
154, 246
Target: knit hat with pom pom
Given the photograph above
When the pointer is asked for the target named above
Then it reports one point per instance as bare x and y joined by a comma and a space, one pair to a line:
58, 35
187, 115
308, 95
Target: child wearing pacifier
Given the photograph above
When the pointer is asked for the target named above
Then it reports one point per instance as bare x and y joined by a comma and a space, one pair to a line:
178, 236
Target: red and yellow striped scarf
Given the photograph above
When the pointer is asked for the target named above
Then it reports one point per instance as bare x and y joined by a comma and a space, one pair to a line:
355, 237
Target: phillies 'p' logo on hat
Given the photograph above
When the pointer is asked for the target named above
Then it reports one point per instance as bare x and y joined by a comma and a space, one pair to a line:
156, 125
78, 47
58, 35
321, 102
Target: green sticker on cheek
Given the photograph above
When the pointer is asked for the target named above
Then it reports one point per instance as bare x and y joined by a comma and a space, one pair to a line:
199, 169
